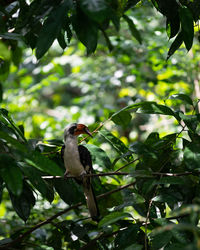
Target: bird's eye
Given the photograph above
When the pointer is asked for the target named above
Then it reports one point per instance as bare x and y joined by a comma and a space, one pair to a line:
72, 129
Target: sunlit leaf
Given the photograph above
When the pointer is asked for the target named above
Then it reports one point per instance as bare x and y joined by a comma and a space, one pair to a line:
182, 97
114, 141
149, 108
99, 156
122, 118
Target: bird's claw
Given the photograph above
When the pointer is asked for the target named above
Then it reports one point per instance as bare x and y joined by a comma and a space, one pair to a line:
82, 175
66, 174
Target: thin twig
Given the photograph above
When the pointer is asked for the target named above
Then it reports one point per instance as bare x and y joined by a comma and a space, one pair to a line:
125, 173
127, 164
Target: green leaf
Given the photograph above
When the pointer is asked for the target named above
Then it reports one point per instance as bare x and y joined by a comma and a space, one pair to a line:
190, 120
182, 97
171, 180
23, 203
36, 180
135, 247
61, 39
7, 120
186, 209
11, 174
175, 45
112, 218
69, 191
1, 92
192, 156
1, 189
17, 56
99, 156
114, 141
141, 173
51, 28
172, 27
42, 163
160, 240
126, 237
97, 10
135, 33
149, 108
122, 118
187, 26
86, 31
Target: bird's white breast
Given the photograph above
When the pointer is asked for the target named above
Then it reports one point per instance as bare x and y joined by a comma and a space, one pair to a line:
72, 158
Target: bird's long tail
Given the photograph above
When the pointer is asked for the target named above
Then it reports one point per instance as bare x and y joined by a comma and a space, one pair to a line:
91, 201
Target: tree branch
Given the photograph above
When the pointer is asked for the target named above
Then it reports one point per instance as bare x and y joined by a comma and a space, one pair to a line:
125, 173
47, 221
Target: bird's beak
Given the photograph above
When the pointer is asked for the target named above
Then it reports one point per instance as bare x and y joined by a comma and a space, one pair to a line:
82, 129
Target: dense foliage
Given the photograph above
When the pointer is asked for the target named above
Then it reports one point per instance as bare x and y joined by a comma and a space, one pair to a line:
143, 111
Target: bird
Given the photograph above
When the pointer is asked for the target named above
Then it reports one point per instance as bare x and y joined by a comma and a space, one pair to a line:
78, 163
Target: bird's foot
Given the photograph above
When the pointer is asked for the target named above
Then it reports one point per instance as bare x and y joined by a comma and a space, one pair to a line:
83, 174
66, 174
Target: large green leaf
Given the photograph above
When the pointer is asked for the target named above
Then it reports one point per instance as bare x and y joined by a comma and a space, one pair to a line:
149, 108
23, 203
112, 218
171, 180
182, 97
114, 141
192, 156
135, 33
11, 174
175, 45
42, 163
36, 180
7, 120
190, 120
123, 118
69, 191
160, 240
126, 237
187, 26
31, 157
51, 28
97, 10
86, 31
99, 156
1, 189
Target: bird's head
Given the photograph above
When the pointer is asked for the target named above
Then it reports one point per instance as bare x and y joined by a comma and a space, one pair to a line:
75, 129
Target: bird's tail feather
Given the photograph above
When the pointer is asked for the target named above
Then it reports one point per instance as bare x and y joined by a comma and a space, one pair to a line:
91, 202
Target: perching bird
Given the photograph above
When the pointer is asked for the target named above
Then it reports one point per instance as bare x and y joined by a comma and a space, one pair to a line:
78, 163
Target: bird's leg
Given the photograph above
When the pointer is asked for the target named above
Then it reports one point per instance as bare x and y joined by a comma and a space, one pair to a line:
66, 174
82, 175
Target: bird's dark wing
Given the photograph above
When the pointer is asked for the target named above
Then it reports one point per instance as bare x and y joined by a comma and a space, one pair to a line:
62, 153
86, 161
85, 158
